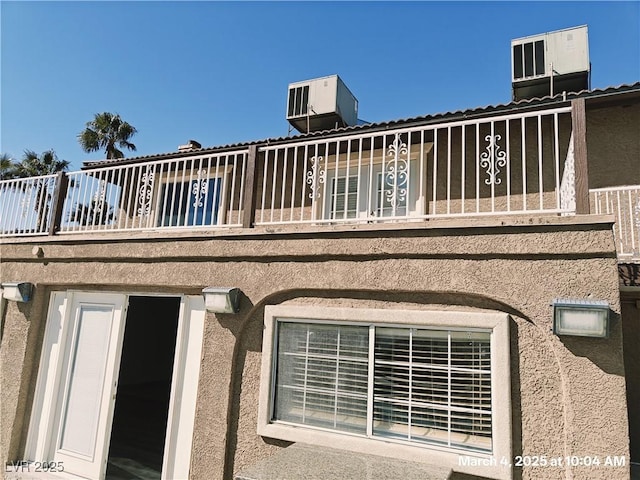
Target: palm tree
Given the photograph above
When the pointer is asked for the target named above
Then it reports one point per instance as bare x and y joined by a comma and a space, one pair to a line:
37, 192
97, 212
34, 165
6, 166
107, 131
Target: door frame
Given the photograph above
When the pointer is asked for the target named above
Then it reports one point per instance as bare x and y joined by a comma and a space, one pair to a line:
43, 425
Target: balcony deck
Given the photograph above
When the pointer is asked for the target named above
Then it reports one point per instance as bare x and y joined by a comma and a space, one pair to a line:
511, 165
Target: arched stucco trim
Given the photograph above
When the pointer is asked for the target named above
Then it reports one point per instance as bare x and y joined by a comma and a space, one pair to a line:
404, 297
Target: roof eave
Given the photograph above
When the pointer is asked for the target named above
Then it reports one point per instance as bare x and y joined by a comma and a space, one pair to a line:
592, 97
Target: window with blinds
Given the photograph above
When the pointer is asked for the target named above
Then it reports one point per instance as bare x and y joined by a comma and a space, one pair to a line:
417, 385
344, 197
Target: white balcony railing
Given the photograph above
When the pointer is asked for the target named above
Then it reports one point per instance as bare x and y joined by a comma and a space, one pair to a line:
624, 203
500, 165
25, 205
194, 192
506, 164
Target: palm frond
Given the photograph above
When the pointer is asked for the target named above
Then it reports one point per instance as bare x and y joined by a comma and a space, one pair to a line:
34, 165
7, 166
104, 132
94, 213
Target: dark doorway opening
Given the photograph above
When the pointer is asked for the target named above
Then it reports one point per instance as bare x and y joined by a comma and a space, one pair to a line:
630, 305
144, 387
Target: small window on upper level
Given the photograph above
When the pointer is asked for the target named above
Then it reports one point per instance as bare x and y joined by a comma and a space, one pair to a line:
344, 197
372, 193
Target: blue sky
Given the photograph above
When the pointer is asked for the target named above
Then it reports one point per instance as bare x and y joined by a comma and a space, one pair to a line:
218, 72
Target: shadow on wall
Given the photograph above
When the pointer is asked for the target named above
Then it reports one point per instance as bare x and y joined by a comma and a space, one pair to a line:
249, 339
516, 395
604, 353
248, 335
32, 316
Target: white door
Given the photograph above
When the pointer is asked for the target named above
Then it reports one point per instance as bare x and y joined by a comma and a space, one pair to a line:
75, 391
86, 397
184, 390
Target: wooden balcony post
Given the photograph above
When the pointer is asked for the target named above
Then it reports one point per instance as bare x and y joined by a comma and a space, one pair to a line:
579, 124
249, 200
57, 202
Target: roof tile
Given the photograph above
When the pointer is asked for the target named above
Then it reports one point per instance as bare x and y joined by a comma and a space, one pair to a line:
520, 104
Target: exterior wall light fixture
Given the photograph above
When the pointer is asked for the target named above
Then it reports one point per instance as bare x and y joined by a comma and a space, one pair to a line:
17, 291
581, 317
222, 300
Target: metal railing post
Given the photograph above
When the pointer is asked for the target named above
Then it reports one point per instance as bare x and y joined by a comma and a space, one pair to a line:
249, 200
57, 202
579, 124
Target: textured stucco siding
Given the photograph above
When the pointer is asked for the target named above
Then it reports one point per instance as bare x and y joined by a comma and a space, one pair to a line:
568, 394
613, 143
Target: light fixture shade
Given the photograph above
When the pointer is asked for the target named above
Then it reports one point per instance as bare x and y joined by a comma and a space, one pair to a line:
17, 291
581, 317
221, 299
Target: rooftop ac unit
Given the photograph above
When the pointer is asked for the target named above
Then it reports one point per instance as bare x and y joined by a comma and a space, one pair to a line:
550, 63
321, 104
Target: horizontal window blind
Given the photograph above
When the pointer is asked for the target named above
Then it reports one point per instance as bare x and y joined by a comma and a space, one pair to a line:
433, 386
429, 386
322, 376
344, 191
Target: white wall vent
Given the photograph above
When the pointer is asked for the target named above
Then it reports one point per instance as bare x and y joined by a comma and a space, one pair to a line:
321, 104
550, 63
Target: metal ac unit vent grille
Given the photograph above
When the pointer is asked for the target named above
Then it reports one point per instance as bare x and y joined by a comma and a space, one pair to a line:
321, 104
298, 101
528, 60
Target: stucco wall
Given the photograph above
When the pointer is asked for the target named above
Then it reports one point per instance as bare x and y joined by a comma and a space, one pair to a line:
613, 138
568, 394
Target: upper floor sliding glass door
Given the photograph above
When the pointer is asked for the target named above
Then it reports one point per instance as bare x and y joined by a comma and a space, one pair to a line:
190, 203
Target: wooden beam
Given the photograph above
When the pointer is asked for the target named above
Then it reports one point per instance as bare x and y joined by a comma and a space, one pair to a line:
249, 200
579, 124
57, 202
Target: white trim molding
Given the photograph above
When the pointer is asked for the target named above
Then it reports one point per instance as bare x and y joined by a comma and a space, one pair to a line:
494, 464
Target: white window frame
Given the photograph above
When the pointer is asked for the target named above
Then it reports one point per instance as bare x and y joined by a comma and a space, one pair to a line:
497, 323
369, 167
369, 198
332, 199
